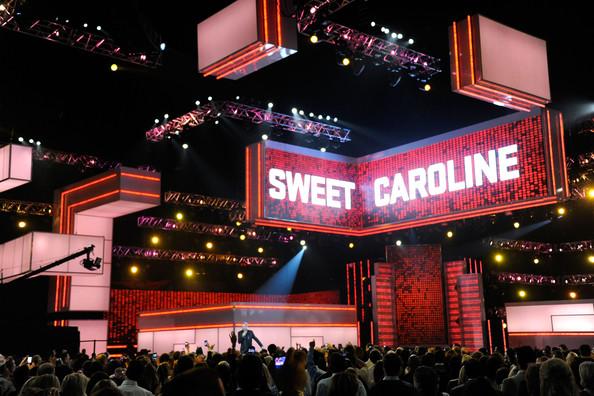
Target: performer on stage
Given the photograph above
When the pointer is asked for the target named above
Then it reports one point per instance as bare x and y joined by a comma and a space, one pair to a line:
245, 337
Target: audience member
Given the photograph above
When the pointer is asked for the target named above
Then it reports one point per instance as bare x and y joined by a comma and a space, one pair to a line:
74, 384
556, 379
586, 370
391, 384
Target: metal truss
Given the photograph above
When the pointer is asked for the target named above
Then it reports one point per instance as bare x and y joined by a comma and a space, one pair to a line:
542, 247
25, 207
536, 279
235, 209
177, 255
259, 234
82, 160
256, 115
98, 43
312, 10
396, 57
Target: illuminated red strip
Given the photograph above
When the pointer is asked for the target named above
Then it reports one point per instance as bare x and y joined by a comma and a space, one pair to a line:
260, 203
535, 100
268, 52
552, 333
251, 325
65, 291
355, 283
358, 333
562, 137
140, 193
248, 181
229, 59
481, 266
57, 293
467, 91
456, 56
64, 193
372, 332
265, 7
238, 63
348, 285
504, 341
498, 91
244, 306
115, 355
550, 137
470, 50
278, 23
116, 347
142, 177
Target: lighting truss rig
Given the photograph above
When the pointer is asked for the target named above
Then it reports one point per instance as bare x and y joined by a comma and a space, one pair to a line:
235, 209
177, 255
256, 115
542, 247
362, 45
213, 229
98, 43
26, 207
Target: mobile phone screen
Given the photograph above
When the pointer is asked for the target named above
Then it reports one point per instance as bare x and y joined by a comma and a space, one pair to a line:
29, 360
251, 350
279, 361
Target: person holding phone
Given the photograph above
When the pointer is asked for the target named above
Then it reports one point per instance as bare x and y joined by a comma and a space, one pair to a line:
245, 338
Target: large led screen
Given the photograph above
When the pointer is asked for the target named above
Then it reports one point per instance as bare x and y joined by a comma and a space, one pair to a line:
509, 163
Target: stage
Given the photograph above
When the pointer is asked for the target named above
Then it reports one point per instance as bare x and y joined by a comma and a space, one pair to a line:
280, 324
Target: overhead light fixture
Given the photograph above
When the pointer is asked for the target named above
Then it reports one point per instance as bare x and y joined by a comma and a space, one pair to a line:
411, 41
22, 224
260, 250
301, 112
21, 139
294, 110
197, 103
239, 275
189, 272
323, 149
427, 87
394, 35
400, 36
398, 242
166, 116
313, 39
114, 67
372, 24
345, 61
162, 46
335, 119
516, 225
312, 114
38, 143
264, 137
31, 141
99, 27
313, 10
179, 216
156, 120
237, 97
536, 260
302, 242
270, 105
209, 98
450, 234
133, 270
185, 146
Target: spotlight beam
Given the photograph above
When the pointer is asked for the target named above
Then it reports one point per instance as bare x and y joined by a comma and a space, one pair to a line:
282, 281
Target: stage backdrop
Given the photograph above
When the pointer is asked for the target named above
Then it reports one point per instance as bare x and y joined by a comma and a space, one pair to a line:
509, 163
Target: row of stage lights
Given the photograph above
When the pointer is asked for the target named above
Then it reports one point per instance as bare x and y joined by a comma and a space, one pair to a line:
499, 258
523, 294
31, 141
393, 35
189, 272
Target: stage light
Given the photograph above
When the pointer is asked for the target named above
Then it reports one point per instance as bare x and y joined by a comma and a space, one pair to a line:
289, 229
516, 225
294, 110
499, 257
85, 25
386, 30
22, 224
217, 122
185, 146
38, 143
197, 103
31, 141
313, 10
504, 325
411, 41
398, 242
522, 293
591, 259
328, 118
21, 139
312, 114
209, 245
237, 223
345, 61
166, 116
114, 67
260, 250
536, 261
372, 24
270, 105
590, 193
209, 98
572, 295
320, 117
313, 39
335, 119
156, 120
239, 275
242, 237
400, 36
427, 87
237, 97
99, 27
162, 46
133, 270
450, 234
301, 112
189, 272
394, 35
560, 210
155, 240
323, 149
264, 137
179, 216
351, 245
302, 242
304, 247
2, 7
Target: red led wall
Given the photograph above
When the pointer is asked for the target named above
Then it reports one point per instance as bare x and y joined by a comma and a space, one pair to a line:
126, 304
472, 309
384, 303
541, 178
452, 271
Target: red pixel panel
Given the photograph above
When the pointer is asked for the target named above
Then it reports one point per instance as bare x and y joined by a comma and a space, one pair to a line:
510, 163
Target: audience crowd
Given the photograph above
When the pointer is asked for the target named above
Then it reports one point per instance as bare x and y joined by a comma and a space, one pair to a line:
314, 371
